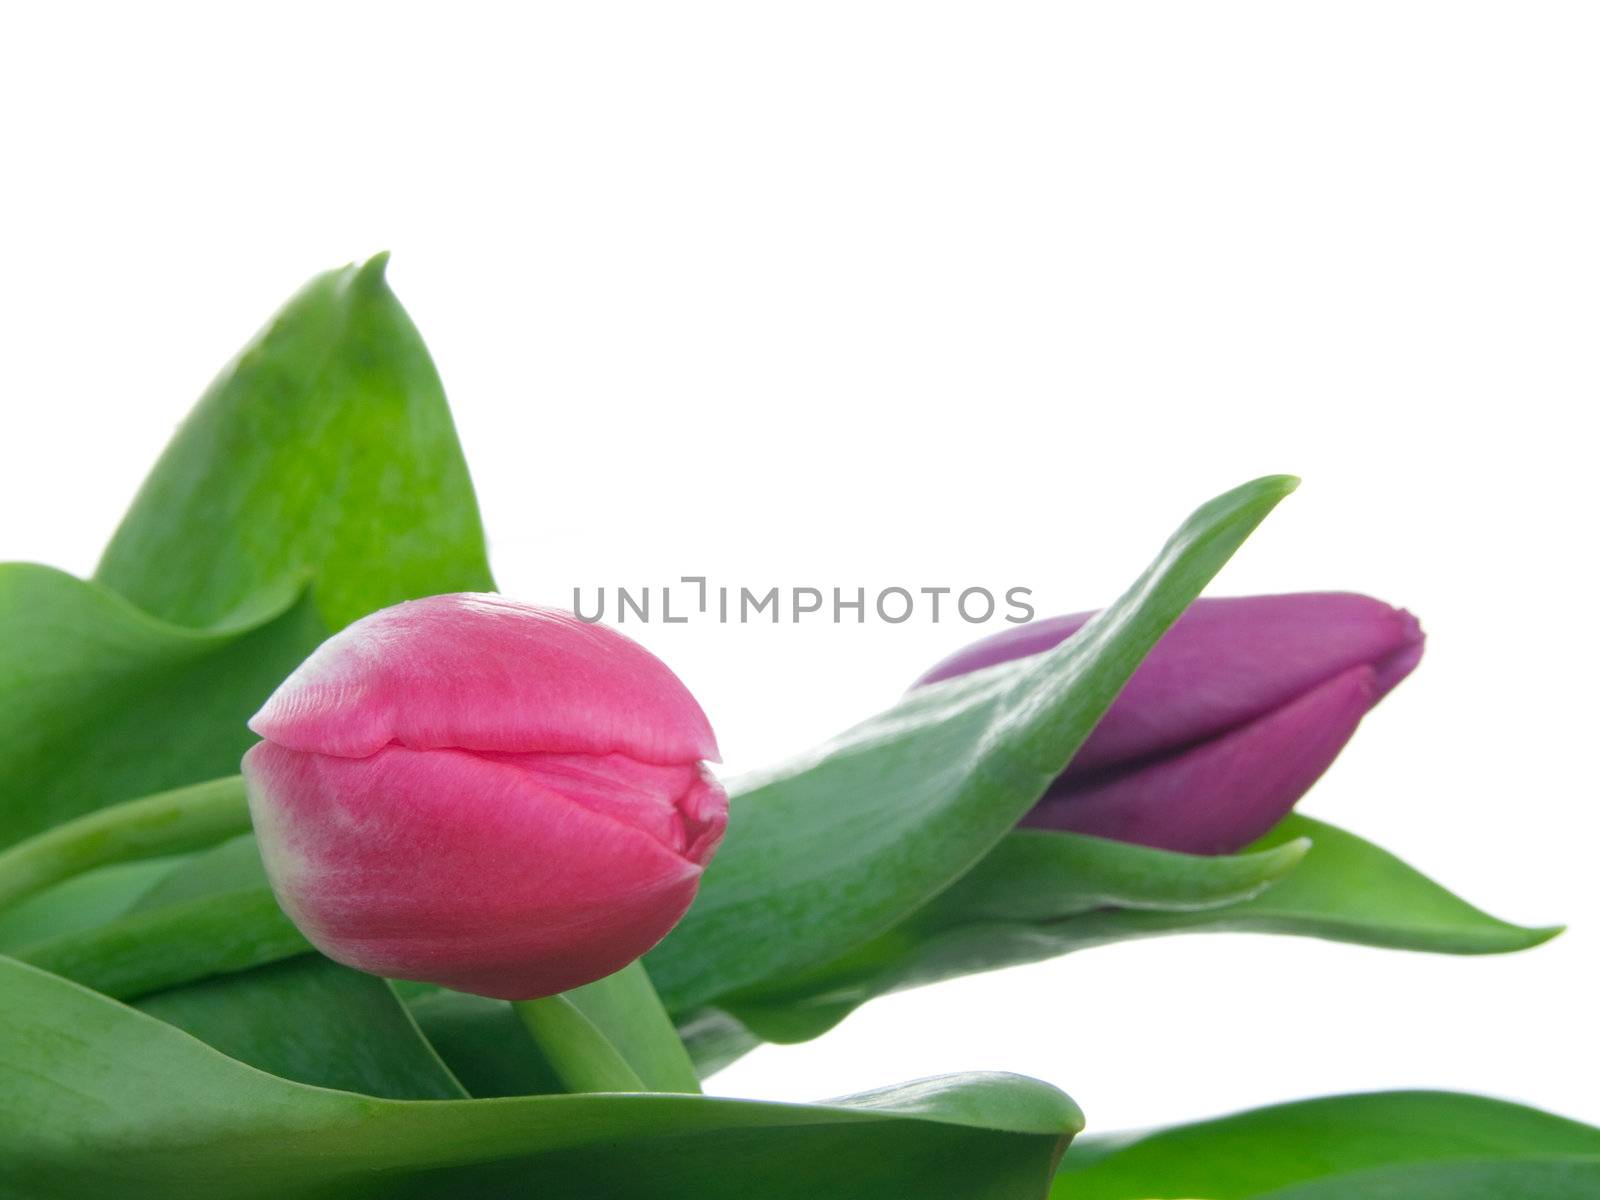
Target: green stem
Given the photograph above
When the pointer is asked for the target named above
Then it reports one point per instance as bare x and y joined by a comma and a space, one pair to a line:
187, 818
582, 1057
627, 1010
612, 1035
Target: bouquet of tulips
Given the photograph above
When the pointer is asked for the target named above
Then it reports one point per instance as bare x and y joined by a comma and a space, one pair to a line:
326, 871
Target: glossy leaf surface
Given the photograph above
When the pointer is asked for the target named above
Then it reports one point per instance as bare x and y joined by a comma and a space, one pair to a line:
325, 451
1065, 892
832, 849
103, 1100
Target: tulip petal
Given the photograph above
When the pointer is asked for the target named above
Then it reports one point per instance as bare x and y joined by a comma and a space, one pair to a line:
478, 871
481, 672
1224, 793
1225, 662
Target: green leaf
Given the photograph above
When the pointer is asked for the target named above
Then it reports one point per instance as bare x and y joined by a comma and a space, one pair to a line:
1349, 890
312, 1020
324, 451
829, 851
714, 1039
1512, 1179
484, 1044
319, 478
101, 1100
79, 904
1042, 875
213, 916
1014, 907
306, 1018
175, 944
100, 702
174, 822
1346, 1146
1044, 894
1341, 888
233, 866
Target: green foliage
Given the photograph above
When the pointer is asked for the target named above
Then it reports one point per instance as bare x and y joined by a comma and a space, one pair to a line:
319, 478
101, 702
102, 1100
303, 1018
325, 451
1393, 1145
840, 845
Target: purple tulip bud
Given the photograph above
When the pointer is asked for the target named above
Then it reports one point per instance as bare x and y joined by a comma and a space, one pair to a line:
1229, 721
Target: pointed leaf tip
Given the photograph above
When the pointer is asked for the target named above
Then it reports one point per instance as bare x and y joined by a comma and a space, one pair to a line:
372, 271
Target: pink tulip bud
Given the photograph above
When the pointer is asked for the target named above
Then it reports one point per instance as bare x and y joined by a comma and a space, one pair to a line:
474, 792
1226, 724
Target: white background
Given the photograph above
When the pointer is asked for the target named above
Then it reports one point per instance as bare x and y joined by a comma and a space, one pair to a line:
858, 295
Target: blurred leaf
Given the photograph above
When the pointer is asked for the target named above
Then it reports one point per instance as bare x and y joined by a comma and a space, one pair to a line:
714, 1039
80, 904
324, 451
102, 1100
1365, 1146
826, 852
232, 866
177, 943
1509, 1179
318, 478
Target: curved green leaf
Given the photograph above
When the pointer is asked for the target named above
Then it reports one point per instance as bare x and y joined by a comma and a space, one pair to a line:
174, 944
101, 702
1349, 890
319, 478
81, 903
305, 1018
324, 451
1043, 894
1511, 1179
175, 822
1042, 875
1005, 912
102, 1100
1336, 1147
484, 1044
826, 852
313, 1021
1341, 887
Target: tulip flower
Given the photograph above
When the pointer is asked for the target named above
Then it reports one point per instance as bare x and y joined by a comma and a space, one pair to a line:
1224, 727
486, 795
